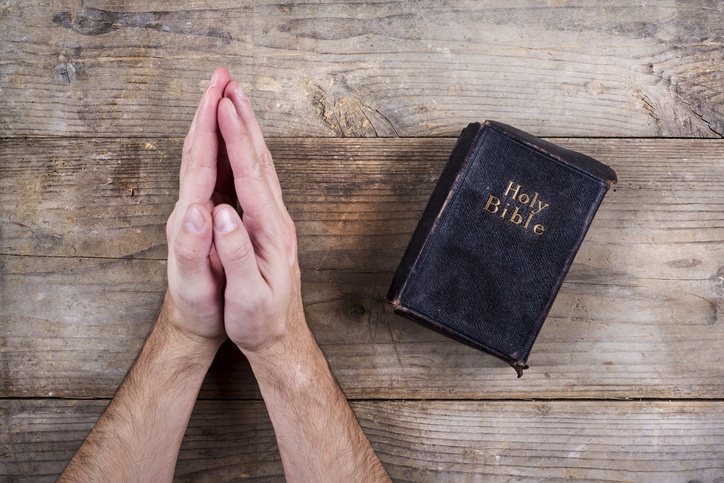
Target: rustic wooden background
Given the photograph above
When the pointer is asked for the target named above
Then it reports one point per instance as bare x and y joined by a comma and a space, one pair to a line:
361, 102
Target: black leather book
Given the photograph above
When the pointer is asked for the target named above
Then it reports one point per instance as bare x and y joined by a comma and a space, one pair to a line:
497, 238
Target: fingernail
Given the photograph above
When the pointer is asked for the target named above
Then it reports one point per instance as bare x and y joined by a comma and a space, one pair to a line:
225, 221
213, 78
194, 220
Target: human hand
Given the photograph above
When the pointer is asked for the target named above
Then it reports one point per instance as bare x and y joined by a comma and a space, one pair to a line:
194, 301
262, 300
263, 315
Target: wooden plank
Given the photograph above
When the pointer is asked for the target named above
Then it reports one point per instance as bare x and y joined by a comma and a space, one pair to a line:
355, 202
364, 69
72, 327
417, 441
639, 314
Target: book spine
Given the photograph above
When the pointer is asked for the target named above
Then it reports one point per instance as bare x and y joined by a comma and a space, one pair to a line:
439, 195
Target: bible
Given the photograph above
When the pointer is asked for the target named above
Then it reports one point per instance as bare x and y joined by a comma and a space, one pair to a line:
496, 239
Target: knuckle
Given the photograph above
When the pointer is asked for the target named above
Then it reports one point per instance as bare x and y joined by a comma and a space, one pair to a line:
249, 167
241, 253
254, 168
187, 255
265, 157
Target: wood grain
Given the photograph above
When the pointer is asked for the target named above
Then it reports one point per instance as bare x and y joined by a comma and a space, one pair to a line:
83, 272
72, 327
96, 96
365, 69
420, 441
355, 202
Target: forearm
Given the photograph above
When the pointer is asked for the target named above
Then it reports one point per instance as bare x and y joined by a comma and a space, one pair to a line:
318, 435
138, 436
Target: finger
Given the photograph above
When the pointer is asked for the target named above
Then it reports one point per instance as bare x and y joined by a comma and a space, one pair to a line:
189, 137
221, 78
262, 215
187, 144
235, 249
245, 112
199, 174
192, 245
219, 81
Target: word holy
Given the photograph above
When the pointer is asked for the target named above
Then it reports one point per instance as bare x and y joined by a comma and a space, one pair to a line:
521, 208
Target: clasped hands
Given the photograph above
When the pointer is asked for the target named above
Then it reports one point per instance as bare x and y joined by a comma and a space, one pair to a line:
230, 276
235, 277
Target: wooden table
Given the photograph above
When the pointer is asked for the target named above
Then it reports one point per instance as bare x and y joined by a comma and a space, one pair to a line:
361, 102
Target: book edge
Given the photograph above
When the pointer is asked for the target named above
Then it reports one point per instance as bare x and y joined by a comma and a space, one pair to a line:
538, 325
433, 210
586, 165
430, 323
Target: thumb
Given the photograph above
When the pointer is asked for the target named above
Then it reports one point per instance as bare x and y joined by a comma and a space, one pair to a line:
192, 244
234, 247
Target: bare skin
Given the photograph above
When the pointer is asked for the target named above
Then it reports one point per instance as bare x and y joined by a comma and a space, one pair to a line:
237, 279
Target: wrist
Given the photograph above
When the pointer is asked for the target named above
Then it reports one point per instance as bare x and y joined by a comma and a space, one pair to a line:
294, 363
170, 332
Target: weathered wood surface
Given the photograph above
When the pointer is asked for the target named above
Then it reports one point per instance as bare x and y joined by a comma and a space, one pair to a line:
423, 68
417, 441
95, 97
355, 202
640, 314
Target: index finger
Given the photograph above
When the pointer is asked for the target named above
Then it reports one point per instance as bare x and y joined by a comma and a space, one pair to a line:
241, 102
198, 165
263, 216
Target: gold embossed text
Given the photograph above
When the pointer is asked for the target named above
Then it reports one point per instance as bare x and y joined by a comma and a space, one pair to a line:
518, 207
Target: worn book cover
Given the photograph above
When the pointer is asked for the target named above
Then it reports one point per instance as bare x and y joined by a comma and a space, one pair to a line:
497, 238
